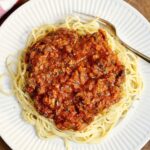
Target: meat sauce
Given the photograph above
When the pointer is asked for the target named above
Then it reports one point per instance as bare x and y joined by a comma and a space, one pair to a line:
72, 78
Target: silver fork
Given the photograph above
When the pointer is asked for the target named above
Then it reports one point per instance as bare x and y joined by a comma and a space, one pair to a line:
112, 28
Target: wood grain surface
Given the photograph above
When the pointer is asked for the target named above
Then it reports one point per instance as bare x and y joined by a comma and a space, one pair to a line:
141, 5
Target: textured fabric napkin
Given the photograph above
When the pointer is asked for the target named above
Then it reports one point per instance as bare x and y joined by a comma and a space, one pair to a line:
5, 5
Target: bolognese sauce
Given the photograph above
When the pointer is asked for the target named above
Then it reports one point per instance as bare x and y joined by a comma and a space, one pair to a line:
73, 77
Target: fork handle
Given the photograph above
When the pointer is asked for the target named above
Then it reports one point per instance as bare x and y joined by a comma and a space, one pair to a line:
146, 58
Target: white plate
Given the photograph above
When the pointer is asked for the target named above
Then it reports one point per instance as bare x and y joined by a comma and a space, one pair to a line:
134, 130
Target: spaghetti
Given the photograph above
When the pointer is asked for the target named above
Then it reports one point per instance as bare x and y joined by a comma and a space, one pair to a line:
104, 121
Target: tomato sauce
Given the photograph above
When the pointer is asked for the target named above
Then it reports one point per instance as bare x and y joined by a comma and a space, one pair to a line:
72, 78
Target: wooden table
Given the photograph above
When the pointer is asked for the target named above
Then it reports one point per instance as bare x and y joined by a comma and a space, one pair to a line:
142, 5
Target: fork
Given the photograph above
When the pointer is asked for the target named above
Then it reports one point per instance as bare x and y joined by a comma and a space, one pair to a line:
112, 28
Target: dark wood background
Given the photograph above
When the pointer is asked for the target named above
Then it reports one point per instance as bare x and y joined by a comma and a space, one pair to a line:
142, 5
